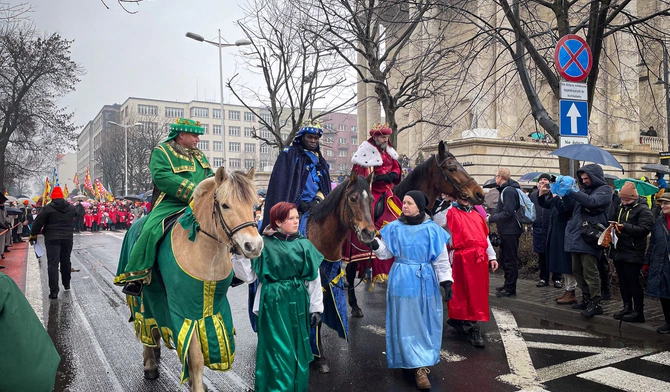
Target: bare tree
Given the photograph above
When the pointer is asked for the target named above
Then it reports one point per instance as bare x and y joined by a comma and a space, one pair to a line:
297, 69
34, 73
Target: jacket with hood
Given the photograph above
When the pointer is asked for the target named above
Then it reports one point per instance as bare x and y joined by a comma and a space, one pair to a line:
508, 203
591, 204
57, 218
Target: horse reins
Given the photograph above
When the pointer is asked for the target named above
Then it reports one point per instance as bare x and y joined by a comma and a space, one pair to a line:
216, 212
451, 180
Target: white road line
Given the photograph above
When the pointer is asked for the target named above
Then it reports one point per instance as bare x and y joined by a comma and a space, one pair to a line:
522, 371
554, 332
34, 285
570, 347
444, 354
116, 385
607, 357
661, 358
625, 381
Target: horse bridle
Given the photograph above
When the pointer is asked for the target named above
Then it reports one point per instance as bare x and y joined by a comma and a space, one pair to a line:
216, 212
459, 188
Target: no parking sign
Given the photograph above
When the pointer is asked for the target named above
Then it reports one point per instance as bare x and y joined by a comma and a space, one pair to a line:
573, 58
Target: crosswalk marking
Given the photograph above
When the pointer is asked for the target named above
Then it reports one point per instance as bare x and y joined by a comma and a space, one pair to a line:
608, 356
522, 370
555, 332
625, 381
661, 358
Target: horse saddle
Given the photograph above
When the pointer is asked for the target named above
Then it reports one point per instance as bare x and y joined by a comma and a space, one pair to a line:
379, 207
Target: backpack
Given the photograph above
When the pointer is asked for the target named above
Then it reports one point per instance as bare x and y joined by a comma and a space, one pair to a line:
525, 214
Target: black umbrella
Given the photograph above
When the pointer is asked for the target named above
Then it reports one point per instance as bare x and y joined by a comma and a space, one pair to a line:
13, 211
657, 168
490, 184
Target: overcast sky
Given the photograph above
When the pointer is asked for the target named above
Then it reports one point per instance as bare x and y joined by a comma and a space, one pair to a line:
145, 54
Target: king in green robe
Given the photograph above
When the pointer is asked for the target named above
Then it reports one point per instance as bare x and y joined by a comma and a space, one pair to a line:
176, 171
290, 290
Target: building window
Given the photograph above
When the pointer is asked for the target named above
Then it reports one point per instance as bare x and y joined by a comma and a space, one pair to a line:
206, 126
354, 140
218, 162
265, 149
234, 115
233, 131
328, 139
248, 116
199, 112
217, 146
150, 126
234, 163
216, 113
329, 153
248, 132
264, 163
203, 145
216, 129
284, 136
329, 127
342, 167
249, 163
249, 147
354, 128
147, 110
174, 112
342, 153
267, 117
234, 147
343, 140
266, 134
342, 127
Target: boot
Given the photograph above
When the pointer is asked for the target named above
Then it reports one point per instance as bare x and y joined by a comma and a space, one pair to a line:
476, 338
562, 295
585, 302
637, 316
665, 328
627, 309
593, 308
568, 299
421, 376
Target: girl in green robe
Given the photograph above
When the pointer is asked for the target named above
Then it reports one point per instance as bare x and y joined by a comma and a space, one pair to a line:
289, 299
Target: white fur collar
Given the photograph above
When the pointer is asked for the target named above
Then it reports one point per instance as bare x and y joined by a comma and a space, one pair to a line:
368, 155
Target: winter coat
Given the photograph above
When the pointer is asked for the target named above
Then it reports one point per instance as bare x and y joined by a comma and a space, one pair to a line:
540, 225
508, 203
637, 222
57, 218
658, 283
596, 198
558, 260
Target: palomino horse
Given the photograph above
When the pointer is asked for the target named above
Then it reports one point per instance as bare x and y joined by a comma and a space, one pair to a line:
185, 304
442, 173
347, 207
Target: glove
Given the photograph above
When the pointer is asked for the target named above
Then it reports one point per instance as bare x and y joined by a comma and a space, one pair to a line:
303, 207
32, 239
393, 177
645, 270
447, 290
374, 245
382, 178
315, 319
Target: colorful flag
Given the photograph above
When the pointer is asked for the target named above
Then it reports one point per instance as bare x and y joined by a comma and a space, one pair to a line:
46, 195
87, 182
98, 189
66, 192
76, 179
55, 178
6, 193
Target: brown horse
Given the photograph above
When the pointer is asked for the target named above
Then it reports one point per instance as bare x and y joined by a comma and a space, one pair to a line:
223, 206
347, 208
441, 173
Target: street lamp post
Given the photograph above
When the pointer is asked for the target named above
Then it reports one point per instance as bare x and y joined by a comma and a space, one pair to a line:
220, 45
125, 134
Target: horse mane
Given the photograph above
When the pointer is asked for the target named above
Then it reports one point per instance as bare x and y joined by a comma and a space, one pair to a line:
330, 203
239, 186
410, 182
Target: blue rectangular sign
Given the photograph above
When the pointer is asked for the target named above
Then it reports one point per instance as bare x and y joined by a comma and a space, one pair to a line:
574, 118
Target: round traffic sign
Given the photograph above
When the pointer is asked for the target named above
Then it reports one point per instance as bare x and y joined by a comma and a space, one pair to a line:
573, 58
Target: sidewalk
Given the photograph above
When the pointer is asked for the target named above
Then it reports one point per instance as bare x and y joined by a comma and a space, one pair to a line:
542, 302
15, 263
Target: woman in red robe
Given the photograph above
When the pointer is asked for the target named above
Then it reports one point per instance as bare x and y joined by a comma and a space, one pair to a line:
471, 255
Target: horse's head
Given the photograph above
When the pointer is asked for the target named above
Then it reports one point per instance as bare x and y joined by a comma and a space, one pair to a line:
457, 180
228, 212
358, 206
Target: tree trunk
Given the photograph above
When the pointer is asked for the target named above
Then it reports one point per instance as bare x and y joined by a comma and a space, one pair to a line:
3, 148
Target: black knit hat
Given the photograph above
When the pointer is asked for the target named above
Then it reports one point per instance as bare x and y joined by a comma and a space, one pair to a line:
544, 175
420, 199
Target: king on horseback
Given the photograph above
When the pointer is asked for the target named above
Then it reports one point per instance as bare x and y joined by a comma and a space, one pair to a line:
177, 166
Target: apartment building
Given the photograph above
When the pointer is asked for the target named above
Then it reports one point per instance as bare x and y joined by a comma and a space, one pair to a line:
89, 140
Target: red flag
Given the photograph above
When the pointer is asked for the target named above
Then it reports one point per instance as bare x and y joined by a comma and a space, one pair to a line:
76, 179
87, 182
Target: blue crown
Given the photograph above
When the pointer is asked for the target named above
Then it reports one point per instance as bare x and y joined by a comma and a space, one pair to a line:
310, 127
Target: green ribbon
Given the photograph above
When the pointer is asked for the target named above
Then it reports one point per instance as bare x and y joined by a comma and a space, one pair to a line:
189, 223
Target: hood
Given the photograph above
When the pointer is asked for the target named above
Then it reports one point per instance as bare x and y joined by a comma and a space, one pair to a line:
507, 183
60, 205
595, 172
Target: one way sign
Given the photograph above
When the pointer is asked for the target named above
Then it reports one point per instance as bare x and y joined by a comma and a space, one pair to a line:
574, 118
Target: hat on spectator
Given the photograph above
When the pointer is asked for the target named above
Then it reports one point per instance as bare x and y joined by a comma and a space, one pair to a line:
663, 197
544, 175
57, 193
628, 191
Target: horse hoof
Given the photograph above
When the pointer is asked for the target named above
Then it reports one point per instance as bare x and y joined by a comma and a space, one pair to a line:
356, 312
157, 352
151, 374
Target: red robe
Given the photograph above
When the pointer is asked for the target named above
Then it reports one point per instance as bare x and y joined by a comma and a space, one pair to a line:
369, 158
88, 220
469, 265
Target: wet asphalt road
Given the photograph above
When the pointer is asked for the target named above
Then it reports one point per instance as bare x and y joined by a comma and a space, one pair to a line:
89, 326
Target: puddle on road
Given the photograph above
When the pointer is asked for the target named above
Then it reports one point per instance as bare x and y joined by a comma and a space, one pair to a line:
58, 326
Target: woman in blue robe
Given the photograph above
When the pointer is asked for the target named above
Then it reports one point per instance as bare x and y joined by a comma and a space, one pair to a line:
413, 299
